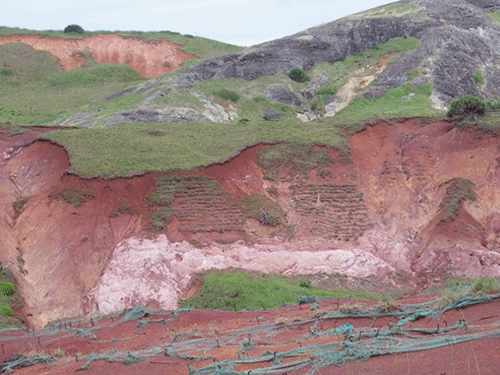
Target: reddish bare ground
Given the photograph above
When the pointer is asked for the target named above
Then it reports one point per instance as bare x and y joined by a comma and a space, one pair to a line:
209, 338
148, 57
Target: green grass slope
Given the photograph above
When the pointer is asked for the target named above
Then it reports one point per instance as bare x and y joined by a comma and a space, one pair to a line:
36, 91
185, 146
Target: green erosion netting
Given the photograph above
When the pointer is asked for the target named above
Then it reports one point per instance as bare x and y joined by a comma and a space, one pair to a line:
309, 350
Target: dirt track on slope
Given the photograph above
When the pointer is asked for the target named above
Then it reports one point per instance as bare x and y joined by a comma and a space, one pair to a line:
148, 57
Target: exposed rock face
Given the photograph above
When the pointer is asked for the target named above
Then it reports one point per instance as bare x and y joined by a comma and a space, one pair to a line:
163, 115
381, 217
282, 94
458, 38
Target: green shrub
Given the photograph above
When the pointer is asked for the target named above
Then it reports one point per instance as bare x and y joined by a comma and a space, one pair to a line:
228, 95
73, 29
460, 189
7, 311
298, 75
478, 77
76, 196
7, 288
468, 106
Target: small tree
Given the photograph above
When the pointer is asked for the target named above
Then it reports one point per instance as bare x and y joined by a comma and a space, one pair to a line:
74, 29
298, 75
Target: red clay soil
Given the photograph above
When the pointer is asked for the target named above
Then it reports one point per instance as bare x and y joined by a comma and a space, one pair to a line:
379, 216
148, 57
208, 338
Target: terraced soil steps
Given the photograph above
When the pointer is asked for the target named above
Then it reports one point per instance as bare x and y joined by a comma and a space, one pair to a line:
202, 205
334, 211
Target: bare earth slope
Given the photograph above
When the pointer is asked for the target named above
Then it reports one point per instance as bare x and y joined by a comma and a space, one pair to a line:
148, 57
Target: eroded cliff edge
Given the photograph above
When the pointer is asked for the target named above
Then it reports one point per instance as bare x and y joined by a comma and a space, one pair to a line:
379, 216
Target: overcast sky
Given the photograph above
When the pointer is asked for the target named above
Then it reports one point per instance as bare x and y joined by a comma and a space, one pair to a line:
240, 22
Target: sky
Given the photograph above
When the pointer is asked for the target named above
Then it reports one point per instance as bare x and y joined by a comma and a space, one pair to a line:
240, 22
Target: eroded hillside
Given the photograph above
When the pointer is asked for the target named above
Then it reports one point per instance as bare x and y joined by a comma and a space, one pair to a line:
151, 58
411, 205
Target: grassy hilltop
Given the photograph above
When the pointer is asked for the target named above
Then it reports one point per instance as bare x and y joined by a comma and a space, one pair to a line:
112, 113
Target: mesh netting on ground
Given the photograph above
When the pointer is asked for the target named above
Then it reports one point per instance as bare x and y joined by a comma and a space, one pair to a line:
306, 344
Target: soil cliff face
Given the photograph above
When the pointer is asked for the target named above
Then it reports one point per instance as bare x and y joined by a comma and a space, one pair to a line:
148, 57
82, 245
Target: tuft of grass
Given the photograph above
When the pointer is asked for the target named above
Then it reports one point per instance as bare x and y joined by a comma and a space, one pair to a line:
495, 16
10, 301
261, 208
18, 205
235, 290
298, 158
225, 94
458, 190
76, 196
298, 75
7, 288
478, 78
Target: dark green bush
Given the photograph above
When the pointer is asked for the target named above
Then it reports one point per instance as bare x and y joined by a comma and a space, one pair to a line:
74, 29
468, 106
228, 95
298, 75
7, 288
7, 311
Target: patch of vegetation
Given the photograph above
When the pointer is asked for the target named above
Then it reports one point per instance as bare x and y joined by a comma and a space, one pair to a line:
79, 77
76, 197
396, 103
123, 208
395, 10
458, 190
7, 311
470, 107
228, 95
261, 208
18, 205
298, 75
235, 290
7, 288
10, 300
455, 288
495, 16
298, 158
478, 77
168, 188
185, 146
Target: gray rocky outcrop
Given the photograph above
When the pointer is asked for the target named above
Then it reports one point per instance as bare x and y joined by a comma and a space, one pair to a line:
457, 37
163, 115
282, 94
